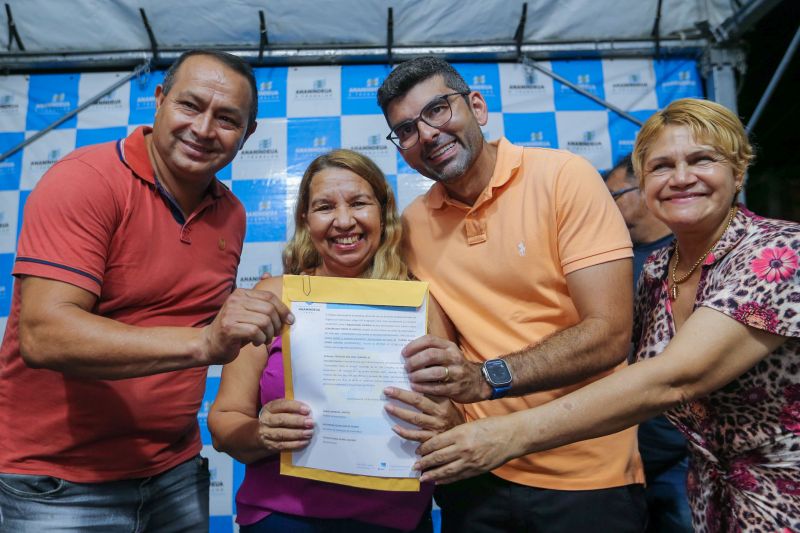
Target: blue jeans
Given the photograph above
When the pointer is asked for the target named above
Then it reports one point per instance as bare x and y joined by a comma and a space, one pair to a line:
174, 501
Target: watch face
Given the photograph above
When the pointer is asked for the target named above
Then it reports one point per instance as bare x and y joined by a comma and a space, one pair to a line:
497, 372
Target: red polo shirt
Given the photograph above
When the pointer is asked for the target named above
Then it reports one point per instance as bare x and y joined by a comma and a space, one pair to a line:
99, 220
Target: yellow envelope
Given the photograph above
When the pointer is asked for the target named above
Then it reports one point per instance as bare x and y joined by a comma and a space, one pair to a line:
346, 291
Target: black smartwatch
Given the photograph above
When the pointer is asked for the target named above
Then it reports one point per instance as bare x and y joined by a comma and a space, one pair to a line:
498, 376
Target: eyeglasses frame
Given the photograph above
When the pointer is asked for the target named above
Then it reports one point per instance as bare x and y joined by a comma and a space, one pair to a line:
415, 122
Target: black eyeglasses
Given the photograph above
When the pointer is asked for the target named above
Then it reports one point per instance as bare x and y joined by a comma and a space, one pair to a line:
435, 114
617, 194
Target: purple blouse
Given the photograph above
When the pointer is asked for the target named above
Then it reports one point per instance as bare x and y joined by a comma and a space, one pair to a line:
264, 490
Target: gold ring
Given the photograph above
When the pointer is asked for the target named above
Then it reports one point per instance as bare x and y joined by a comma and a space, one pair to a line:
446, 377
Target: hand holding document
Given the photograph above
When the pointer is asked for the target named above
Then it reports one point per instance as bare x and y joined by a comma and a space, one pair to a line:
339, 355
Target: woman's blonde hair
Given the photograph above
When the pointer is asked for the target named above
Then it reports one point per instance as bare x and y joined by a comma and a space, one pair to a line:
709, 122
300, 256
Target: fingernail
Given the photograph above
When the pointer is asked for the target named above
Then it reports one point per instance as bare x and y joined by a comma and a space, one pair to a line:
388, 390
290, 318
423, 478
309, 423
416, 467
307, 434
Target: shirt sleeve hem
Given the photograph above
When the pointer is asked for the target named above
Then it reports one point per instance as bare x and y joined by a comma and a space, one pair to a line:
57, 272
623, 251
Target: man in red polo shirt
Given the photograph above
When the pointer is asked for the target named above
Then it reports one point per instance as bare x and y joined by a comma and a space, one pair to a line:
126, 272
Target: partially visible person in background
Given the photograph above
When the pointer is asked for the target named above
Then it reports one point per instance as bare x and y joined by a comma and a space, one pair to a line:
346, 225
126, 263
662, 447
717, 333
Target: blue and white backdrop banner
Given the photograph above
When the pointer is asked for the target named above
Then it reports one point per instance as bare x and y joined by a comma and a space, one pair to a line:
304, 112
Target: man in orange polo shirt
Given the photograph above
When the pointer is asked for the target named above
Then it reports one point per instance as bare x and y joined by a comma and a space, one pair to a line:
529, 257
125, 267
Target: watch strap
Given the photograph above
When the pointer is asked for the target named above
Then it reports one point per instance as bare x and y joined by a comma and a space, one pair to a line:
499, 392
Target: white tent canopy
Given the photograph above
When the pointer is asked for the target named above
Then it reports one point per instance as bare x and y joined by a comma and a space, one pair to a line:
81, 33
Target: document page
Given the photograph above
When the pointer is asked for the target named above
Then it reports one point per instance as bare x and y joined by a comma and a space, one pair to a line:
342, 357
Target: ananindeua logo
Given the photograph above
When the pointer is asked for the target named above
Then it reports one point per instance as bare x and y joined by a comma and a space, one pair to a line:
586, 144
368, 91
373, 146
318, 89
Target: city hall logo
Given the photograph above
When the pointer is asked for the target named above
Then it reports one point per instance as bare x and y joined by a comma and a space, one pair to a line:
4, 225
530, 83
266, 93
58, 103
374, 146
633, 83
318, 146
537, 139
479, 84
50, 159
7, 104
263, 150
588, 143
110, 100
367, 91
318, 89
584, 81
684, 79
216, 485
7, 167
253, 279
145, 102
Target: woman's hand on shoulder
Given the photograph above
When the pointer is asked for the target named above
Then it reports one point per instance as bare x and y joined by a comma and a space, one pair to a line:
284, 425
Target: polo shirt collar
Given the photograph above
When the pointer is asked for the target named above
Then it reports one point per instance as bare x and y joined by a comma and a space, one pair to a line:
132, 152
509, 159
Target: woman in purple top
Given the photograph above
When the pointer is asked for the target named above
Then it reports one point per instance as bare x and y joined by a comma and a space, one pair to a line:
346, 225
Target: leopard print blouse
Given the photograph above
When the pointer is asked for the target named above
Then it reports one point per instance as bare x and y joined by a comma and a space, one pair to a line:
744, 439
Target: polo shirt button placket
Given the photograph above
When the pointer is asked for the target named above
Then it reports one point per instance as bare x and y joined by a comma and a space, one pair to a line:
186, 234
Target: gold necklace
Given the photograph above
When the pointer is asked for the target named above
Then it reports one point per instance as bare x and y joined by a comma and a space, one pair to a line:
675, 280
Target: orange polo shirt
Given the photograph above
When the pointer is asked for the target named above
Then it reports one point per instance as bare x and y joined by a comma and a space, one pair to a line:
499, 267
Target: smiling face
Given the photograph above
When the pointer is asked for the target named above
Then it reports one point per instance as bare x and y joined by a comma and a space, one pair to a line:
687, 184
446, 153
201, 123
344, 222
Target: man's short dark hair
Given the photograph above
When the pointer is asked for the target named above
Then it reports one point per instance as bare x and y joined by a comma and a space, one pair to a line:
235, 63
624, 162
408, 74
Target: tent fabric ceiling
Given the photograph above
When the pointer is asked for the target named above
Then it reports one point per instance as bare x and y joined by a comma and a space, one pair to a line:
103, 26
